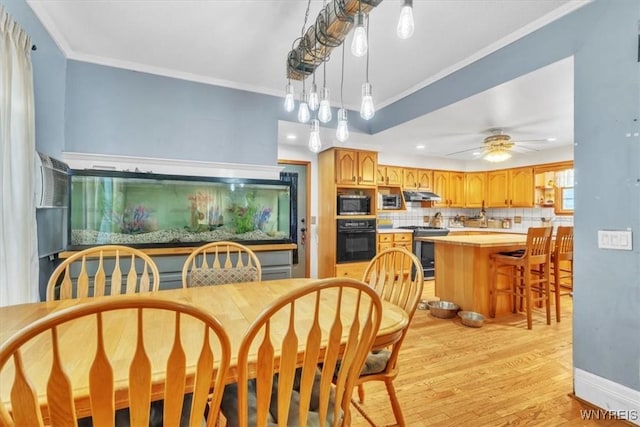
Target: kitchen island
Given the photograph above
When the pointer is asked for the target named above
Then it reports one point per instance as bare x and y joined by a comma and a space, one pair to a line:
463, 268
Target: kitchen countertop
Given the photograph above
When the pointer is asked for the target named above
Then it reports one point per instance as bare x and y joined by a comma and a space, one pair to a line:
479, 240
393, 230
453, 230
489, 230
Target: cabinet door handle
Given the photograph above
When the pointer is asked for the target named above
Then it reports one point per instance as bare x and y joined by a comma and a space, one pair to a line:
506, 202
353, 179
387, 179
510, 202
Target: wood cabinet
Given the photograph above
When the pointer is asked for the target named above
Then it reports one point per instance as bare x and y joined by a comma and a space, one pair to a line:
417, 179
475, 189
389, 175
353, 270
393, 240
450, 187
349, 172
355, 167
511, 188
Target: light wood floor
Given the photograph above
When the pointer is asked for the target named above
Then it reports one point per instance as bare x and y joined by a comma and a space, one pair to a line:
500, 374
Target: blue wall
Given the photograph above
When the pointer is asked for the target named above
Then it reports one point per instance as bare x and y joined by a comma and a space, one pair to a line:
607, 108
49, 72
114, 111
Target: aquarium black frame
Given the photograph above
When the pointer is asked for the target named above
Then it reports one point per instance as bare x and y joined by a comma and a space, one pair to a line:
170, 177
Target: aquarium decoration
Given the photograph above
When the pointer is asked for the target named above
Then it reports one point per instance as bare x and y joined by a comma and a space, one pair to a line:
134, 220
147, 210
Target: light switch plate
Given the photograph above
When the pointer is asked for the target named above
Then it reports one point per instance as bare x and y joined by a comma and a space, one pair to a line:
615, 239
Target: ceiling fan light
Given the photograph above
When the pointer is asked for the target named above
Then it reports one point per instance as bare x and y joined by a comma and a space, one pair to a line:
497, 155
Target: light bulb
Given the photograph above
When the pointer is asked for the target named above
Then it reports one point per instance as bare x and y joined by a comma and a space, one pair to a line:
405, 23
289, 103
324, 113
314, 137
342, 132
367, 109
314, 102
359, 42
303, 109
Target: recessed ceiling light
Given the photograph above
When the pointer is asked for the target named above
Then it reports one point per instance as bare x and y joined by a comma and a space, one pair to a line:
420, 147
551, 139
475, 153
291, 137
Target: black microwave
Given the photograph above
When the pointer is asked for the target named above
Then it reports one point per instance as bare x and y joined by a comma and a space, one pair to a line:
354, 204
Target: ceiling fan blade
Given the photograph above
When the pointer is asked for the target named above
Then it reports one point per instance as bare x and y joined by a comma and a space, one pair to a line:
465, 151
523, 149
532, 141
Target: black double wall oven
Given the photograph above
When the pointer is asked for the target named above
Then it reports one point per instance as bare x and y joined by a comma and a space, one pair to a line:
356, 240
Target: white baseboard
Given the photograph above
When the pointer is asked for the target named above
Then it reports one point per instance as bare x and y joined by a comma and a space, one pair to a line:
611, 397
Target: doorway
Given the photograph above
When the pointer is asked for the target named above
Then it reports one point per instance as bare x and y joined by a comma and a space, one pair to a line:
299, 172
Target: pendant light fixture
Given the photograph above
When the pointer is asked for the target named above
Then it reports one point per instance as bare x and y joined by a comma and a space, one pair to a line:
367, 109
314, 101
314, 137
342, 131
359, 42
406, 25
303, 109
289, 103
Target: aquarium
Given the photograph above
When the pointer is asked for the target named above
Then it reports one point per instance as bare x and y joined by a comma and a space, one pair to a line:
151, 210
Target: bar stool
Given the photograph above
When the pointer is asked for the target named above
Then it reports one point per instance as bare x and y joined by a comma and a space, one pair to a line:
562, 265
529, 274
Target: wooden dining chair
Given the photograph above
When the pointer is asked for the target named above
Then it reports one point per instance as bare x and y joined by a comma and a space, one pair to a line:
219, 263
528, 274
562, 265
101, 270
280, 381
194, 357
397, 276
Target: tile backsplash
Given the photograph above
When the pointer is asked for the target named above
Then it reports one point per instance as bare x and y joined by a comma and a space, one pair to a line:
531, 217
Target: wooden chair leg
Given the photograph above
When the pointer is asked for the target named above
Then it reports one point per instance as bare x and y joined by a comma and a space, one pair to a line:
361, 393
395, 404
493, 297
547, 290
556, 288
527, 294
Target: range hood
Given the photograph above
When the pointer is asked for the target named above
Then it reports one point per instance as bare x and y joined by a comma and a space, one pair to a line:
420, 196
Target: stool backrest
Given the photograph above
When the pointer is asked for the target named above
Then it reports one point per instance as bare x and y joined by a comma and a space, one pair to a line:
563, 249
538, 245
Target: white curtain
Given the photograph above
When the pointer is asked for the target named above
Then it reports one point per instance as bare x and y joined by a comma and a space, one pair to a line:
18, 236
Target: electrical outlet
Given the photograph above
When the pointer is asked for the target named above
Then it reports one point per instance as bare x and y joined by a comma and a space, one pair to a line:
615, 239
517, 219
425, 218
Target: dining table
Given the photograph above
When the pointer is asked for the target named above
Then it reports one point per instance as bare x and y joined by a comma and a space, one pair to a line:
234, 305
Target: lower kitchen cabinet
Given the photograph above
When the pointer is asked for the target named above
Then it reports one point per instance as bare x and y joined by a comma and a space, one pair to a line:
353, 270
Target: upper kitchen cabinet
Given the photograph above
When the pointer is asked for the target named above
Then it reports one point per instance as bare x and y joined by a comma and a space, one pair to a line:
475, 186
389, 175
512, 188
418, 179
356, 167
450, 187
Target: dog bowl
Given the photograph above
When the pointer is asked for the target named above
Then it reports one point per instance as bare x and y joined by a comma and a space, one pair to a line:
423, 304
443, 309
471, 319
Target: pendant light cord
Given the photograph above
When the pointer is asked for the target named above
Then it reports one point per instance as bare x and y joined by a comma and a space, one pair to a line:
342, 78
366, 72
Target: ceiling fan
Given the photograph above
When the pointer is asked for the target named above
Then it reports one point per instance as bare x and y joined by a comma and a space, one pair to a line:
498, 146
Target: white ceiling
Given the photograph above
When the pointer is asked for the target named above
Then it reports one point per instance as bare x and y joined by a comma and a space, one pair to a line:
244, 44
